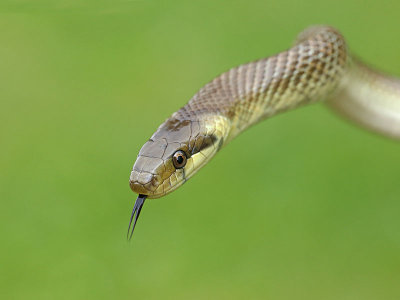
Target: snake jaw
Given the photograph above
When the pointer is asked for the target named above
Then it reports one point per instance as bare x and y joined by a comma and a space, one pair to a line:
135, 212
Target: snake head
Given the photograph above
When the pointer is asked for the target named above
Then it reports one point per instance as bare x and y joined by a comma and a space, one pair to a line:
176, 151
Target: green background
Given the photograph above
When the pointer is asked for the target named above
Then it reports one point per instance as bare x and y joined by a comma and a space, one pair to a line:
302, 206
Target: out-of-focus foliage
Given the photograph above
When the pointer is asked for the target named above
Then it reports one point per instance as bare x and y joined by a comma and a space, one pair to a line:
302, 206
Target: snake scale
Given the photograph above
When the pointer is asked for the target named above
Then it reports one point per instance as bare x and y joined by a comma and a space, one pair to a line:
317, 67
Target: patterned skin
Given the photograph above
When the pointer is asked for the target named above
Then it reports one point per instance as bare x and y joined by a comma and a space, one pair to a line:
235, 100
317, 67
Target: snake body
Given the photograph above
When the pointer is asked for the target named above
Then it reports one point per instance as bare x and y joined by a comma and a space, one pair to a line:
317, 67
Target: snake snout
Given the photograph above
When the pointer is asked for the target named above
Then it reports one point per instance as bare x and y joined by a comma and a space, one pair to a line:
144, 183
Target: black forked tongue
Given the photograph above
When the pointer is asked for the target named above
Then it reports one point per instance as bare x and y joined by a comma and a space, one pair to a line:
136, 212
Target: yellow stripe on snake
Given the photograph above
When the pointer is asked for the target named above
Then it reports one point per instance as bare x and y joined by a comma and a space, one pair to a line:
318, 67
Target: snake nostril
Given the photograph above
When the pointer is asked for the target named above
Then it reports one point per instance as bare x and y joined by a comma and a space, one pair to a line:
133, 177
145, 177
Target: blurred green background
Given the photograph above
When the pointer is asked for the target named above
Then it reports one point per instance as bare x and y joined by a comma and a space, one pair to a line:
302, 206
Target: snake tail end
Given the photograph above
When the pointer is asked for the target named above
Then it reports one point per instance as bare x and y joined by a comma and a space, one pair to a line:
135, 212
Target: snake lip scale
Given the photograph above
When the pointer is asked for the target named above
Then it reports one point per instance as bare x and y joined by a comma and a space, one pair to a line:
318, 67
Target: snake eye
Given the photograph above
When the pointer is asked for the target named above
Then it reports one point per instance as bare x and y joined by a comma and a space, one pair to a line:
179, 159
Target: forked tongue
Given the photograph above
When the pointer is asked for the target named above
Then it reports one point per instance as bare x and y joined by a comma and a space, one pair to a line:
135, 212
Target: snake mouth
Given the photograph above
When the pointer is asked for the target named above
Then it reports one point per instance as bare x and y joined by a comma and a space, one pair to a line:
145, 183
137, 208
163, 188
156, 183
151, 189
139, 188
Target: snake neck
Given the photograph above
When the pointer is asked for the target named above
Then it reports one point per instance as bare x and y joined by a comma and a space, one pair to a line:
247, 94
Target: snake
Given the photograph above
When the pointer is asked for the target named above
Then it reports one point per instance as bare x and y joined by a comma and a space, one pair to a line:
318, 67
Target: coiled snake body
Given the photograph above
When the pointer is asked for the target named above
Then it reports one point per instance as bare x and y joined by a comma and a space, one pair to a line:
318, 67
